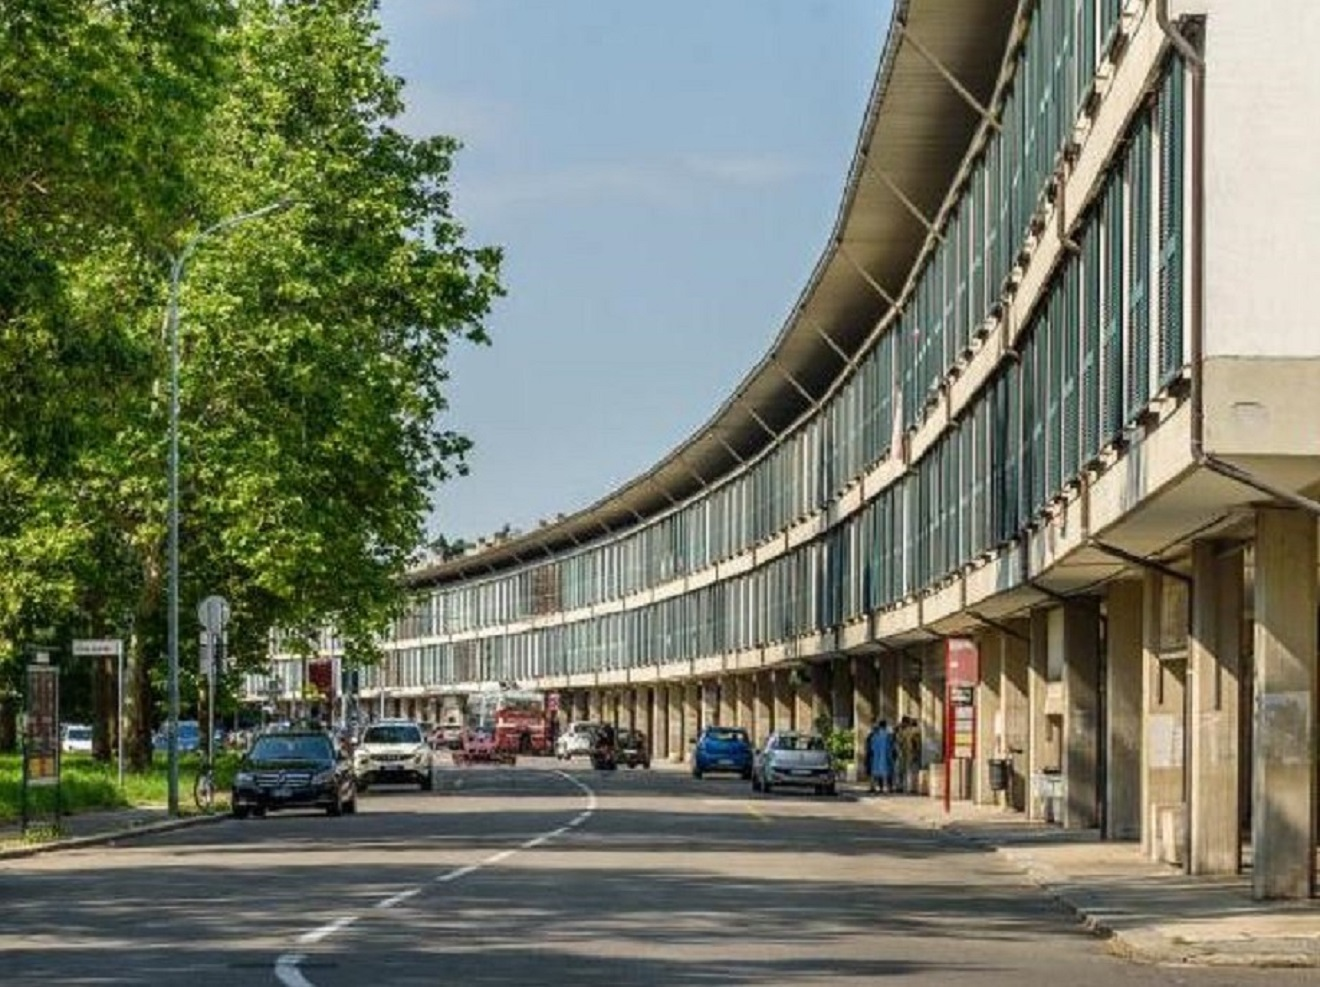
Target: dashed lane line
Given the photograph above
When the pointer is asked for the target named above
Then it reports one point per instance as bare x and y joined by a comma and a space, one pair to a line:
287, 970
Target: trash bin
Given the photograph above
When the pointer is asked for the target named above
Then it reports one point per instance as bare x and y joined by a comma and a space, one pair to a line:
999, 773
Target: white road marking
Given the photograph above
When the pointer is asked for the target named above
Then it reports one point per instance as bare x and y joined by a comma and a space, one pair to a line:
402, 896
286, 966
327, 930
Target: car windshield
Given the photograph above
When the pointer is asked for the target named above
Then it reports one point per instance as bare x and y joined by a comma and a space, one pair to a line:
792, 742
80, 733
393, 733
273, 747
728, 736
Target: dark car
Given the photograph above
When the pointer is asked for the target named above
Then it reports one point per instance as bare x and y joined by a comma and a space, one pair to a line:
296, 769
631, 750
722, 749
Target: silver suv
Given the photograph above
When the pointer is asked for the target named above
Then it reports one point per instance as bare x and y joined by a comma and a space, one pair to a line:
393, 751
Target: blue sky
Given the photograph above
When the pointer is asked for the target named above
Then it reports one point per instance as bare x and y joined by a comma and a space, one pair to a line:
662, 177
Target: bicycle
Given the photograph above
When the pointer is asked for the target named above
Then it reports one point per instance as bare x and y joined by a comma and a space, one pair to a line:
204, 786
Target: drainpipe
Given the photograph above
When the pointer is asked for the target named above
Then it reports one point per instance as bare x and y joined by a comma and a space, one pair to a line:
1196, 63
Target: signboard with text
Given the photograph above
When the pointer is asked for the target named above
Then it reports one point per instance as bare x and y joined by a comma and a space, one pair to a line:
41, 736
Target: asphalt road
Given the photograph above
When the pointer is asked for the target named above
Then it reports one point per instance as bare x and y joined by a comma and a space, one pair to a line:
536, 876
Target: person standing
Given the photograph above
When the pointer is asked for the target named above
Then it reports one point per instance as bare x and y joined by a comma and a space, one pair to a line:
908, 754
880, 751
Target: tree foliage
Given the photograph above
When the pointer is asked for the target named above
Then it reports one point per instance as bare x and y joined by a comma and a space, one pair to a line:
313, 339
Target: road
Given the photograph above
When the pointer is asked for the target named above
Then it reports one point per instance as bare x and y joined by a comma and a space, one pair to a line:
536, 876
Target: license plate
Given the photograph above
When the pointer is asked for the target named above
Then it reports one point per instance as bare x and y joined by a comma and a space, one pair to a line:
281, 793
800, 771
724, 760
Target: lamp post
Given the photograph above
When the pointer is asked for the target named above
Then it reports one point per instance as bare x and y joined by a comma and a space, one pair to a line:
177, 265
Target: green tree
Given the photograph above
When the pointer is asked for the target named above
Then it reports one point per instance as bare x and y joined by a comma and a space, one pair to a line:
100, 104
314, 341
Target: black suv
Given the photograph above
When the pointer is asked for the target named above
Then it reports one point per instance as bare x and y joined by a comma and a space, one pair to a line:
293, 769
632, 750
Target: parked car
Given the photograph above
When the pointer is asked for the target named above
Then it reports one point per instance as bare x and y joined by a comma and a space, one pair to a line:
796, 759
722, 749
631, 749
76, 738
393, 751
578, 739
293, 769
190, 737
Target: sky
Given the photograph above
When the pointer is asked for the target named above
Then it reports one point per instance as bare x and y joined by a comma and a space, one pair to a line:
662, 176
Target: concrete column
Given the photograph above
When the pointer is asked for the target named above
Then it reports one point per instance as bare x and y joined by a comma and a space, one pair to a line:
1214, 838
785, 699
841, 693
677, 741
1015, 709
745, 693
728, 709
763, 698
1039, 741
864, 707
692, 713
661, 726
1081, 748
1162, 727
1283, 818
1122, 727
802, 699
596, 705
709, 703
821, 694
989, 716
898, 687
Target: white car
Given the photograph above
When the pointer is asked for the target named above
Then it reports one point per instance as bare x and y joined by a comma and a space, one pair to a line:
77, 738
797, 759
393, 751
578, 738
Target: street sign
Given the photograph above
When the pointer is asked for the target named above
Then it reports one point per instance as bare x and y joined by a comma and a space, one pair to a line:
213, 612
86, 647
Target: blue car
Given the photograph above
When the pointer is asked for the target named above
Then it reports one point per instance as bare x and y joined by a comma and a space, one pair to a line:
722, 749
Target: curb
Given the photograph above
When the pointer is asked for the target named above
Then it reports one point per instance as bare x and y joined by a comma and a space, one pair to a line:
108, 836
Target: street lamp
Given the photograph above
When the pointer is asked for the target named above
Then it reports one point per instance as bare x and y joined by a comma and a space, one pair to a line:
172, 331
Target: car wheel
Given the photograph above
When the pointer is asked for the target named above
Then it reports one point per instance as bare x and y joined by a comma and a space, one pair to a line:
241, 811
428, 782
259, 812
831, 790
747, 775
696, 772
647, 764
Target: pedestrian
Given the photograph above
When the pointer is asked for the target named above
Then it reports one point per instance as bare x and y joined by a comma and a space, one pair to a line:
866, 754
880, 751
908, 754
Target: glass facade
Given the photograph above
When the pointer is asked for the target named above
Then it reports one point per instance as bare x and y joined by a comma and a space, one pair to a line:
1103, 337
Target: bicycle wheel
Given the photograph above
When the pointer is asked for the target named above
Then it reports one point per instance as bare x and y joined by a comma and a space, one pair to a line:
204, 789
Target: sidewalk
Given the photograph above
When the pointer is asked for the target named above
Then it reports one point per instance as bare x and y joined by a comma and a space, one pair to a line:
91, 829
1151, 912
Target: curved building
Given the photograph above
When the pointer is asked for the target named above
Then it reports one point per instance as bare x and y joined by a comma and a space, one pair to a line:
1032, 461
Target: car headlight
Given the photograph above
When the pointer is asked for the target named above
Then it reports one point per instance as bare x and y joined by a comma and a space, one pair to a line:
243, 778
326, 777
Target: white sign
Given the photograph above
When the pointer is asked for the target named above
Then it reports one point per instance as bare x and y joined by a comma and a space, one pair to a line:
96, 646
213, 612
